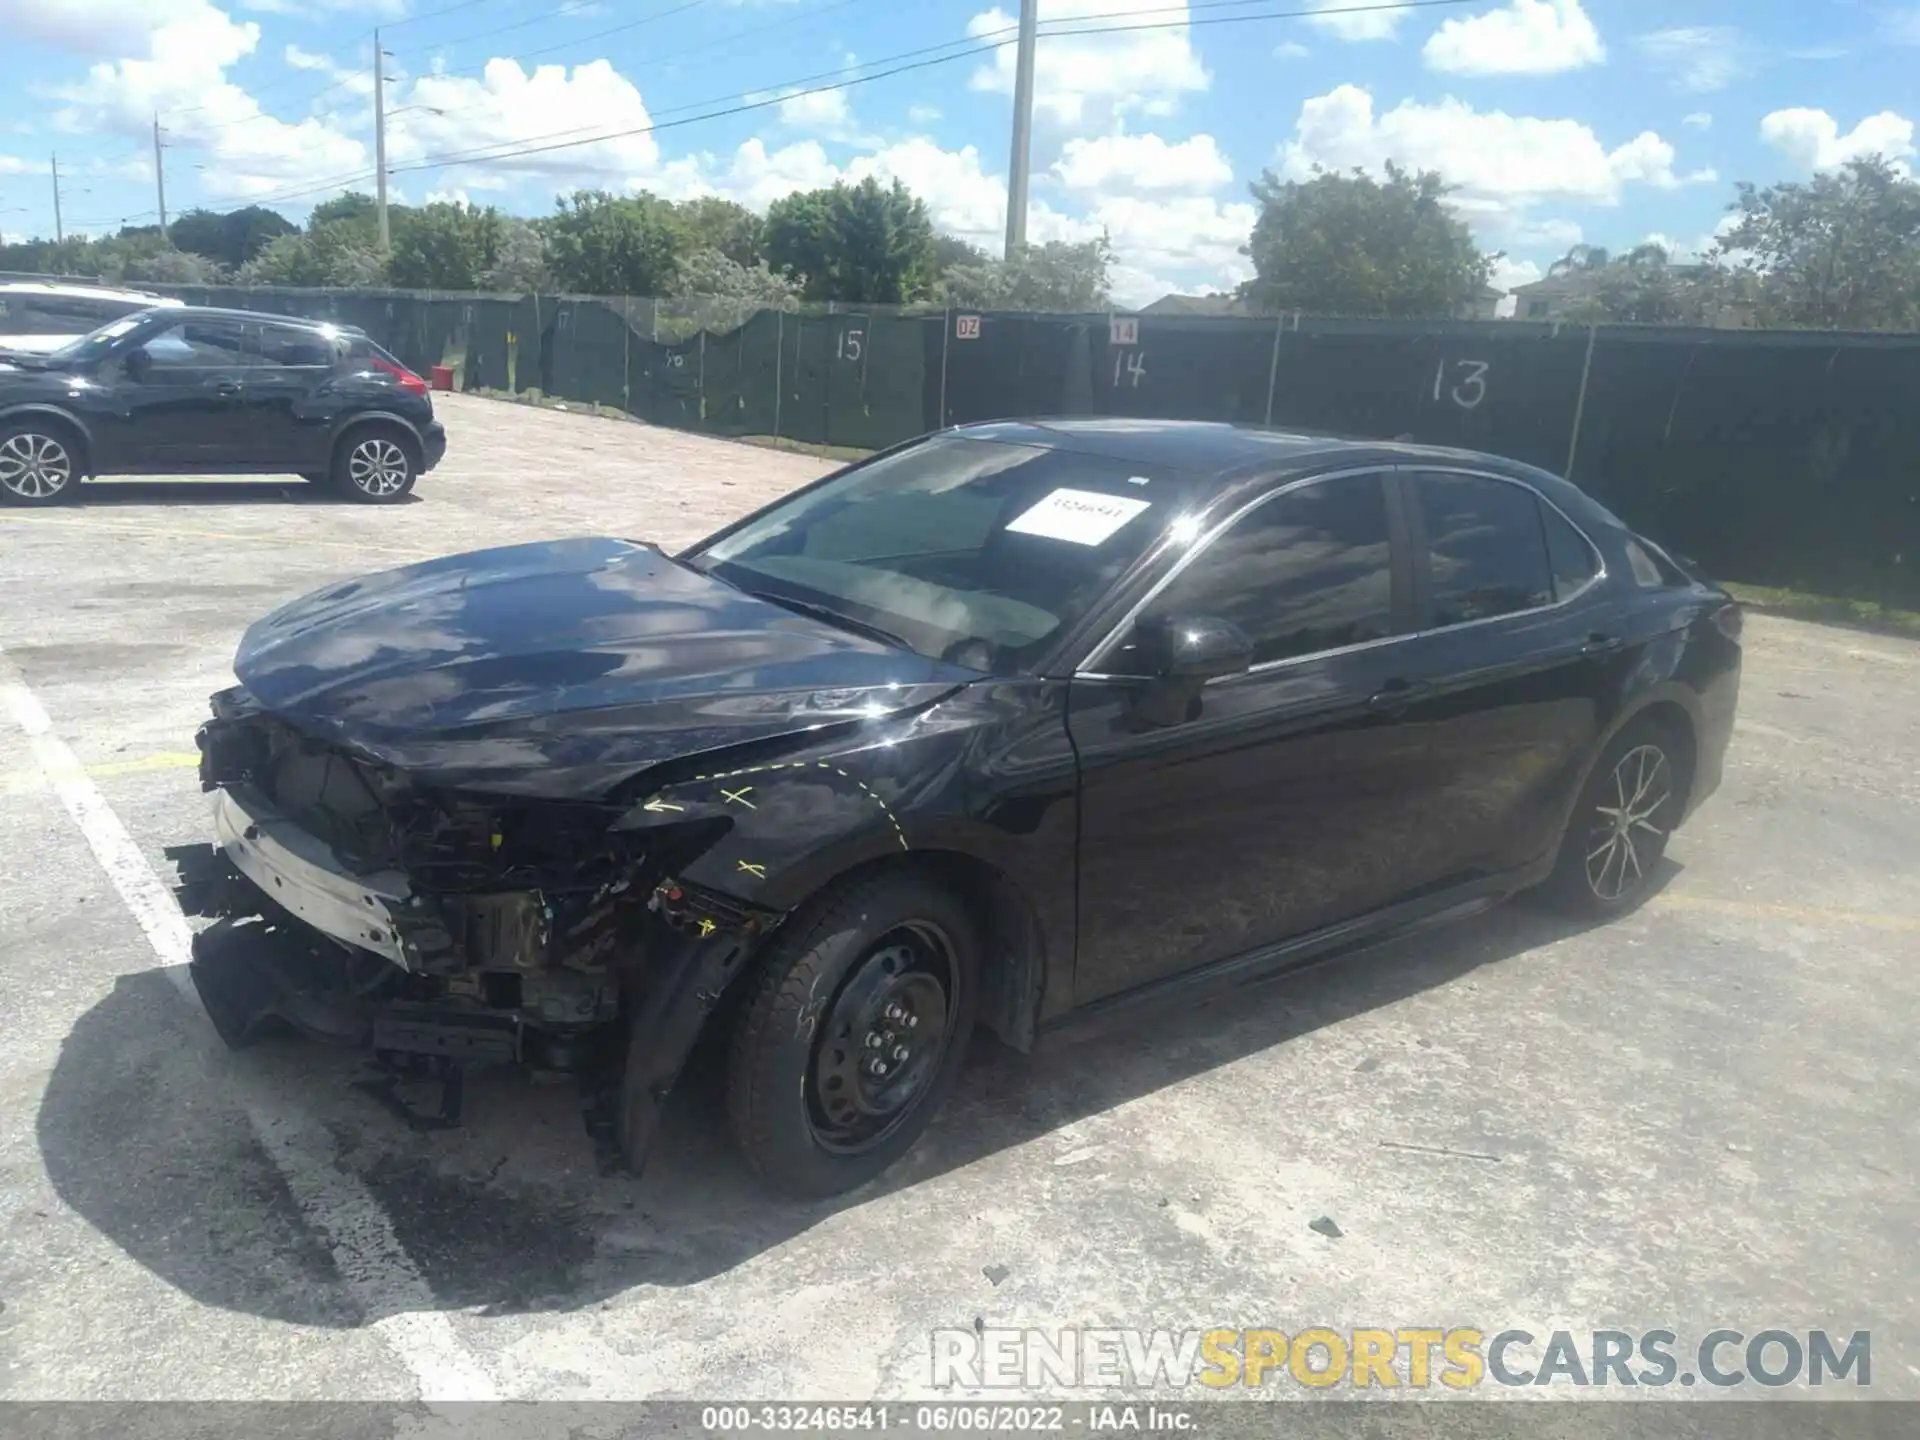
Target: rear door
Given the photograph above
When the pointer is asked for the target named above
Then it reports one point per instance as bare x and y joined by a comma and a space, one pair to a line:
287, 418
1512, 663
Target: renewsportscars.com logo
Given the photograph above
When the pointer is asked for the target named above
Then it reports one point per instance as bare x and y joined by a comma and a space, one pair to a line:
1417, 1358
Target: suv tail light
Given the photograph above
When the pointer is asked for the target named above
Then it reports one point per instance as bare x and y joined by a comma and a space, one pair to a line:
1729, 619
402, 376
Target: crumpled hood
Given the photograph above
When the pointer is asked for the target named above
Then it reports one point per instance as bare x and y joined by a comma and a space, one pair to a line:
561, 668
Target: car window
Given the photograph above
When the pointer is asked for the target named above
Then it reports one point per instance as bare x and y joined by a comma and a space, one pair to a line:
1309, 570
1572, 558
1487, 552
976, 551
199, 345
281, 345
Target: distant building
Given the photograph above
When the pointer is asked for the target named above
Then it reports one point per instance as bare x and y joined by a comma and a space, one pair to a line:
1559, 296
1485, 307
1197, 305
1552, 298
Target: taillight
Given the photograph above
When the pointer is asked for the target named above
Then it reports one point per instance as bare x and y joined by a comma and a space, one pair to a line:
1729, 618
402, 376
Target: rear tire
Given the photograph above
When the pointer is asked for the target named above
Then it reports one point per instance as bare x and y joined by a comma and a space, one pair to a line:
1618, 832
39, 462
853, 1032
376, 464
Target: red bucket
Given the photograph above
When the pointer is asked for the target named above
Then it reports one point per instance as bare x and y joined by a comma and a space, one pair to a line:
443, 377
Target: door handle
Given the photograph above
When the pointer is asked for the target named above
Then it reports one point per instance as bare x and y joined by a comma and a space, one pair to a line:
1396, 694
1600, 643
226, 389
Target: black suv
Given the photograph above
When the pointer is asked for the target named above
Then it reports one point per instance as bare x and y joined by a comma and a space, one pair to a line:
191, 391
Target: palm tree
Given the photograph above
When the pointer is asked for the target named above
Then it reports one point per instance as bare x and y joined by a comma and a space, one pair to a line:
1579, 260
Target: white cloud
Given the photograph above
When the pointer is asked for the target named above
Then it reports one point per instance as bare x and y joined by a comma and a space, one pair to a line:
826, 111
1290, 50
1698, 58
1356, 19
1080, 79
1509, 274
506, 105
1503, 164
14, 165
1143, 163
105, 27
1523, 37
1812, 139
299, 59
1698, 120
923, 114
183, 74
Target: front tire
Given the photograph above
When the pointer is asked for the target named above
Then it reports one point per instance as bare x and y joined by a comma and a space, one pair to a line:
1618, 832
853, 1033
376, 465
39, 463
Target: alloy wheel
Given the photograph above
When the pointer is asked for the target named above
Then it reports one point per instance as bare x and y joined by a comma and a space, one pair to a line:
881, 1045
377, 467
1629, 826
34, 466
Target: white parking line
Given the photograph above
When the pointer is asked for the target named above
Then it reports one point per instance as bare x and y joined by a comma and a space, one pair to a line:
378, 1273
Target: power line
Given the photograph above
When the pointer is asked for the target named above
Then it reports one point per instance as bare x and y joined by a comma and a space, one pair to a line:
435, 14
572, 7
985, 44
976, 45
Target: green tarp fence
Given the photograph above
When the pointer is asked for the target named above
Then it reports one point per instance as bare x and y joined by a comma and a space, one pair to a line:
1776, 457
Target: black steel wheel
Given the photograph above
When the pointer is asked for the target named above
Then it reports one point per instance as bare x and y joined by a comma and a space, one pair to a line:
1618, 832
853, 1033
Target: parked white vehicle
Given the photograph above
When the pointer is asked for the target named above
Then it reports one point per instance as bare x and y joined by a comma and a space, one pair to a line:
38, 317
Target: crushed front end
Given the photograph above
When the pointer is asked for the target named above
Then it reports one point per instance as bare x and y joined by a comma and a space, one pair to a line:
436, 929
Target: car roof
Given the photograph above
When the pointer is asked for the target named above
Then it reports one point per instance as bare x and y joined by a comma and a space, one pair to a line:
83, 292
1223, 452
215, 312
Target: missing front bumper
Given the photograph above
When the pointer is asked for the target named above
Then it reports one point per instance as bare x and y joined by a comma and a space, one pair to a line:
301, 874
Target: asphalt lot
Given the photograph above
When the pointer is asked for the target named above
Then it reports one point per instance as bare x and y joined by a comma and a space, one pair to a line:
1701, 1116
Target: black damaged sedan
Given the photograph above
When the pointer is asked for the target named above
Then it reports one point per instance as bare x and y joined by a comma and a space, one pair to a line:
1011, 725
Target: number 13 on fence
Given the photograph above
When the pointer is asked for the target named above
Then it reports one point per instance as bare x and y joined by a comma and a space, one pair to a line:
1469, 382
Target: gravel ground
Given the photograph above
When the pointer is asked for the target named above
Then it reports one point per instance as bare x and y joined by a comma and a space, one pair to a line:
1698, 1117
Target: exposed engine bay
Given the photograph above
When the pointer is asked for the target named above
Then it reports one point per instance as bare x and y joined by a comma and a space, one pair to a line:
436, 930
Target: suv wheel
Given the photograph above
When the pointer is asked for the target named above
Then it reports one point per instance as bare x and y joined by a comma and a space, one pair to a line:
853, 1033
1619, 829
376, 466
37, 464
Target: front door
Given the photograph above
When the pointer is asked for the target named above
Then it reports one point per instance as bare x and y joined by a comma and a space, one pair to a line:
182, 406
1285, 803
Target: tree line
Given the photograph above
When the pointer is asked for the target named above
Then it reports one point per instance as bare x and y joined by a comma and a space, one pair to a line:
1839, 251
864, 243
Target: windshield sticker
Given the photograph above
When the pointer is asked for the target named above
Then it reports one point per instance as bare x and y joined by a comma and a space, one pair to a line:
1083, 517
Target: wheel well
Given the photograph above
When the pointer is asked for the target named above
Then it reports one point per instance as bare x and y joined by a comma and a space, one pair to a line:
409, 441
1013, 966
1673, 719
59, 425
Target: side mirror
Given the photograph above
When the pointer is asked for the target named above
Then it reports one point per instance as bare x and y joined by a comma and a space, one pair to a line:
1193, 647
138, 363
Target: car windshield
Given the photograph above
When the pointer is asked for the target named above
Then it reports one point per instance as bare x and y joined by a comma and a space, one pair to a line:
97, 340
977, 552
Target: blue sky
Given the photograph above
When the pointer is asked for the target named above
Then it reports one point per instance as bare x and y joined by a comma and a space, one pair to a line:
1604, 121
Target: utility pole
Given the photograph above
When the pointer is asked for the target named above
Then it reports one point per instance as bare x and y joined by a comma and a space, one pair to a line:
1022, 127
58, 234
380, 139
160, 181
